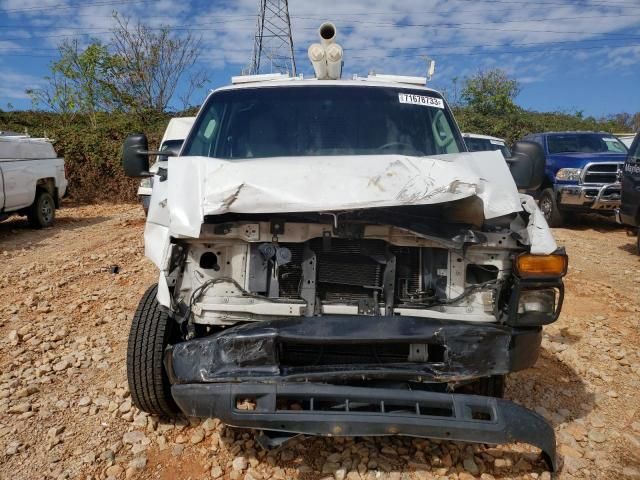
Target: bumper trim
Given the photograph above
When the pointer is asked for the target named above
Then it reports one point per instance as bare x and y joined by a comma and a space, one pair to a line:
331, 410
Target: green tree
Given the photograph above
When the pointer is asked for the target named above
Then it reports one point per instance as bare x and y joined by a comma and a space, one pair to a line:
151, 63
490, 92
79, 81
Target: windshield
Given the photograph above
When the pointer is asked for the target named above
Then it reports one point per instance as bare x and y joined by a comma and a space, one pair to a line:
486, 145
323, 120
584, 143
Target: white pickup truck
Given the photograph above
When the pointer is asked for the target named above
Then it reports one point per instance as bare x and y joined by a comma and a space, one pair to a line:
32, 179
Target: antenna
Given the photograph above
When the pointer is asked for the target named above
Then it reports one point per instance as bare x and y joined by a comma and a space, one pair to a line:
273, 47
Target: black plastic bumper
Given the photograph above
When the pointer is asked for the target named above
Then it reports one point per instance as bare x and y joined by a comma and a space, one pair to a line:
340, 347
331, 410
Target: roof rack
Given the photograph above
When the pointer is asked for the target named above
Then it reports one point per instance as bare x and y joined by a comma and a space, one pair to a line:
263, 77
378, 77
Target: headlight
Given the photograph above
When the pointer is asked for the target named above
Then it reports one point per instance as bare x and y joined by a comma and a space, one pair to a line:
146, 182
540, 301
569, 174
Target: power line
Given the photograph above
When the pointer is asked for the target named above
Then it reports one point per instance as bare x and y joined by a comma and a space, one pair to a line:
426, 48
66, 6
312, 17
444, 54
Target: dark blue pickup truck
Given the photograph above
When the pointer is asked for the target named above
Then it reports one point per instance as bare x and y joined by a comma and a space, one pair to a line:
581, 173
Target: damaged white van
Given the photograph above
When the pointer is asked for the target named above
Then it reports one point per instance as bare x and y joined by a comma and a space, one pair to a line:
334, 262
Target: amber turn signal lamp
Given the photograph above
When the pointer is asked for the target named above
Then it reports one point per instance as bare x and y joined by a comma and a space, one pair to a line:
541, 266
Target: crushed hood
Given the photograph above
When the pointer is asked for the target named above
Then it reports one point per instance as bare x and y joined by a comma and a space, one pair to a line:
201, 186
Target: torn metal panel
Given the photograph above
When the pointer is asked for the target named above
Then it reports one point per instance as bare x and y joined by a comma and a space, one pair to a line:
536, 233
200, 186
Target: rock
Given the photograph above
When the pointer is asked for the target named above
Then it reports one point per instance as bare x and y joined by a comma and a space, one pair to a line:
114, 471
216, 472
84, 401
101, 401
568, 451
634, 444
55, 431
340, 473
26, 392
576, 430
13, 338
61, 365
197, 436
177, 450
334, 458
631, 473
125, 406
210, 424
545, 476
597, 436
136, 436
596, 421
470, 466
138, 463
239, 464
466, 476
20, 408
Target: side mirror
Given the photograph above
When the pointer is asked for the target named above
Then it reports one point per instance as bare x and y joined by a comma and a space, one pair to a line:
135, 156
527, 165
166, 153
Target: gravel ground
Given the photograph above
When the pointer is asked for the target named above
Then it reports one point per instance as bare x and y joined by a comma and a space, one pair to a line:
65, 410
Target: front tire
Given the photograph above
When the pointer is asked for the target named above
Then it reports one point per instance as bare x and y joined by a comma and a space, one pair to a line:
42, 211
549, 208
150, 333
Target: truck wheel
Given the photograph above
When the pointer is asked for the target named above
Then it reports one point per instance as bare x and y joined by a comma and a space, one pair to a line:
42, 211
150, 334
549, 208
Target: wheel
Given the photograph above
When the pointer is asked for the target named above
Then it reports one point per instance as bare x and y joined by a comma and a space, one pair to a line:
42, 211
151, 331
549, 208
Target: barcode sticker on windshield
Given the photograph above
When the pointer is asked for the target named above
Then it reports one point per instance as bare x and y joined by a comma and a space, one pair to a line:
496, 142
420, 100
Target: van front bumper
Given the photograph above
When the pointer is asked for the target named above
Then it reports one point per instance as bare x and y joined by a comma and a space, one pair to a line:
354, 347
331, 410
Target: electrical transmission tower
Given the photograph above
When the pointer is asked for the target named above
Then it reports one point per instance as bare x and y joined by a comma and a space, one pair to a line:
273, 47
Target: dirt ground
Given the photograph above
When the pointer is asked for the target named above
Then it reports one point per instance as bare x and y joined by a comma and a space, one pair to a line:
65, 410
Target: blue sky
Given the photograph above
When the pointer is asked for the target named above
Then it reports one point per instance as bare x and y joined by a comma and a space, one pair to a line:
568, 54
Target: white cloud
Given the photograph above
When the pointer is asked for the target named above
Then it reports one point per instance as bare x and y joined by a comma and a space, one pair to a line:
463, 36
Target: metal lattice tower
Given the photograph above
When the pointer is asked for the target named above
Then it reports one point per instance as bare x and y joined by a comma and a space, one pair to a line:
273, 47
